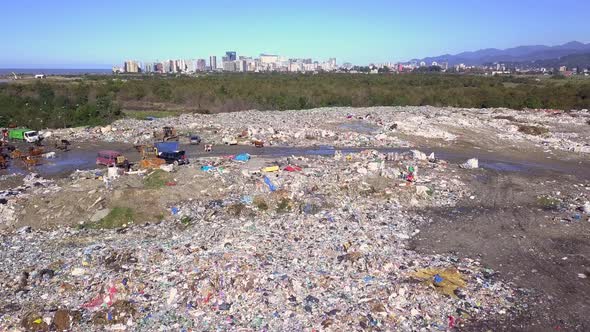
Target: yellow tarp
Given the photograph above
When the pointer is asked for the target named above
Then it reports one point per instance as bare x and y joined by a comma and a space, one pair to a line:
451, 279
271, 169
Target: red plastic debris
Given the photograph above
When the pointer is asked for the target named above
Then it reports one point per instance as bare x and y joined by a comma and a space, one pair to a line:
292, 168
94, 302
451, 322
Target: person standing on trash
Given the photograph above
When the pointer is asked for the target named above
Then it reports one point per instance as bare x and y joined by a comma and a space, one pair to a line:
411, 177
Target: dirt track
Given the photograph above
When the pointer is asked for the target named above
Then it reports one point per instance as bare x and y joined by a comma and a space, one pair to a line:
535, 248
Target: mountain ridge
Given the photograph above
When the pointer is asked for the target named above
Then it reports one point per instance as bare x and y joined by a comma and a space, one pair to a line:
514, 54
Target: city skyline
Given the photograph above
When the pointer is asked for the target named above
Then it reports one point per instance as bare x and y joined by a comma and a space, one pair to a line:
230, 62
71, 34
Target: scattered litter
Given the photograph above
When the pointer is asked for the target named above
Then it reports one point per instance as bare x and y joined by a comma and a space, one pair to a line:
242, 157
446, 281
270, 169
471, 164
269, 183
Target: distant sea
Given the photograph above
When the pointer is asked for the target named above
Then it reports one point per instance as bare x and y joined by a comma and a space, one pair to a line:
27, 71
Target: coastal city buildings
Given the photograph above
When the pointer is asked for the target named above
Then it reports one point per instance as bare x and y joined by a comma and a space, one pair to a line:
232, 62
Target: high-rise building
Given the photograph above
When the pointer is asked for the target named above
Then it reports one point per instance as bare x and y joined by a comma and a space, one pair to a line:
229, 66
190, 65
181, 66
269, 58
231, 55
242, 65
201, 64
213, 62
148, 67
159, 68
332, 62
131, 66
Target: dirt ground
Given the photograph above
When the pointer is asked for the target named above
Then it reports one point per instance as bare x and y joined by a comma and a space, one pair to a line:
538, 249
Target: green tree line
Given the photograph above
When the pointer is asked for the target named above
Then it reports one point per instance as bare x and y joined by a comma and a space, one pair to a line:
99, 100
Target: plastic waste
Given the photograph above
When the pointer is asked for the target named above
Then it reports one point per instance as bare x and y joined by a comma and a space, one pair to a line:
470, 164
167, 168
207, 168
292, 168
447, 281
271, 169
246, 200
418, 155
242, 157
269, 183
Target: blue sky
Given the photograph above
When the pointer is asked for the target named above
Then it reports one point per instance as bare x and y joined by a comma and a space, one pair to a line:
94, 34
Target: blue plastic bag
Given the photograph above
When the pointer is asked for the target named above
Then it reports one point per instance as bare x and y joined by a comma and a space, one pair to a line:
270, 185
242, 157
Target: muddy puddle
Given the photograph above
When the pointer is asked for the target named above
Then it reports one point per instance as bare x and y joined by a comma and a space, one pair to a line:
359, 127
83, 156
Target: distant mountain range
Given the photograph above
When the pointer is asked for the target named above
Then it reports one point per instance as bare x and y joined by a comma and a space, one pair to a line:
570, 61
512, 55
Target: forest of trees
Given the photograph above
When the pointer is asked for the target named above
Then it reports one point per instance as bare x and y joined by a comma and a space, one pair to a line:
101, 99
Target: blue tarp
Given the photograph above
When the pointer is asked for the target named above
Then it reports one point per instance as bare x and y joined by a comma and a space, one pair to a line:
270, 185
242, 157
167, 146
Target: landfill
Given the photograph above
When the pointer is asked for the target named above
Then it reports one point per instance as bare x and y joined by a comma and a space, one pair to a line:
267, 244
263, 242
362, 127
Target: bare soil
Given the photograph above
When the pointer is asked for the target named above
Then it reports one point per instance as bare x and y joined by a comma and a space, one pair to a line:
536, 248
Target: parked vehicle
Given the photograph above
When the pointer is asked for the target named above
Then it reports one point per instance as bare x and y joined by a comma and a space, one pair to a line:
195, 139
167, 134
23, 134
174, 157
149, 157
167, 146
111, 158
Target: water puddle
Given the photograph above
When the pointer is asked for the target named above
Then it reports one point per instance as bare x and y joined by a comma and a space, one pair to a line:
84, 157
359, 127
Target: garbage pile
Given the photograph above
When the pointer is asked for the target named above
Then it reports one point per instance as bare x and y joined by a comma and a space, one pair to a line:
287, 244
33, 185
360, 127
574, 205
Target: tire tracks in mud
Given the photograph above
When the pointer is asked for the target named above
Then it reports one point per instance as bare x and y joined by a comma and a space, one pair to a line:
507, 230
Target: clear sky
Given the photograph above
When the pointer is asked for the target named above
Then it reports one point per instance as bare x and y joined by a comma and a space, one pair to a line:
100, 33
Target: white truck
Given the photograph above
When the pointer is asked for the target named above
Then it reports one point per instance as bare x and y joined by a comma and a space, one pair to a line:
26, 135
